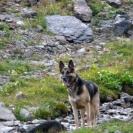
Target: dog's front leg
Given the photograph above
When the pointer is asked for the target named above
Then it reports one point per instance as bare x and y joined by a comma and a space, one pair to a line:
75, 112
82, 113
88, 114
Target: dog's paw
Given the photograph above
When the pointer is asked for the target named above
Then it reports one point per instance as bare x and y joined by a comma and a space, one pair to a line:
73, 128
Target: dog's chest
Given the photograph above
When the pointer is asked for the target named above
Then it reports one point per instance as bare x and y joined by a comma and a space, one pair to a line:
74, 98
73, 95
77, 101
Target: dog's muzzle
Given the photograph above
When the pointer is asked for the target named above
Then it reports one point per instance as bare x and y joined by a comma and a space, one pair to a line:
66, 80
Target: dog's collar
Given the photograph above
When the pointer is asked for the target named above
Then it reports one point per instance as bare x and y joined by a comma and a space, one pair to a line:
73, 83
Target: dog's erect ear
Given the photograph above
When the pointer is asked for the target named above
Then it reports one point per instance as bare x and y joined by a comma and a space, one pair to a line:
61, 65
71, 65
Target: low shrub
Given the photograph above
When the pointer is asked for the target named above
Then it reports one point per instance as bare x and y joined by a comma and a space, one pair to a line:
52, 109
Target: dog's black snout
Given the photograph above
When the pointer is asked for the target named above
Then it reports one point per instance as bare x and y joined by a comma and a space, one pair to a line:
64, 78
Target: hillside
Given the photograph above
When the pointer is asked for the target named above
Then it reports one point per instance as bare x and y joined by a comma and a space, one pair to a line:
101, 48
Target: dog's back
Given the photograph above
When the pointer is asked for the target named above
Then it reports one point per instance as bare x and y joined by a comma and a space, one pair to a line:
91, 87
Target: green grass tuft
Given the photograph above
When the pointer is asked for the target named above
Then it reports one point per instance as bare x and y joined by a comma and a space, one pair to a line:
109, 127
96, 6
51, 109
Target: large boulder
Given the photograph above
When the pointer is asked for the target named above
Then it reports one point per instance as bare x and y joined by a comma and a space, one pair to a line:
70, 27
82, 11
123, 25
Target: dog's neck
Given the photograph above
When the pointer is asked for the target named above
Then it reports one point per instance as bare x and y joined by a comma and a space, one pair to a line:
74, 83
74, 88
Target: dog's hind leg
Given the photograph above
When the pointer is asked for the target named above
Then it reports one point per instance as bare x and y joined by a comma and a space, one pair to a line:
82, 113
95, 121
95, 109
94, 117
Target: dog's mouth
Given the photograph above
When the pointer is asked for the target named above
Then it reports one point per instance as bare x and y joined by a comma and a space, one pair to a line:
66, 83
69, 85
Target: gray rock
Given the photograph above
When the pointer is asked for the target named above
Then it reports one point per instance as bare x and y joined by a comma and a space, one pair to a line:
61, 47
6, 114
18, 1
19, 44
82, 11
2, 17
70, 7
117, 102
101, 121
122, 25
5, 129
2, 104
50, 49
61, 39
130, 32
27, 115
28, 13
20, 23
81, 51
69, 27
2, 34
28, 53
115, 3
52, 1
49, 63
4, 80
117, 131
19, 95
119, 18
39, 28
32, 2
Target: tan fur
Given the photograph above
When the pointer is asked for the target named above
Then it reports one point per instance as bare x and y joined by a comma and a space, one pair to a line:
54, 130
91, 108
80, 100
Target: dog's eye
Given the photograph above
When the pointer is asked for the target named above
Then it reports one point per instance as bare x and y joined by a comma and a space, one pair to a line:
67, 72
62, 72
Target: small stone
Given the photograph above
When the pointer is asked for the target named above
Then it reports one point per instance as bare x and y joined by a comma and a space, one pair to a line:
19, 95
117, 131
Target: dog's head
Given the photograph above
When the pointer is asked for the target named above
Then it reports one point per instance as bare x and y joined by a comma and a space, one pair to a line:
68, 73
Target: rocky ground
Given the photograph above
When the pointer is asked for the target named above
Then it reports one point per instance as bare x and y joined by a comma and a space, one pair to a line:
38, 48
121, 110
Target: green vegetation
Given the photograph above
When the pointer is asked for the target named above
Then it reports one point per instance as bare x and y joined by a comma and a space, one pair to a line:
7, 89
96, 6
3, 2
111, 70
15, 67
37, 93
115, 69
51, 109
109, 127
6, 33
3, 42
46, 8
59, 7
17, 112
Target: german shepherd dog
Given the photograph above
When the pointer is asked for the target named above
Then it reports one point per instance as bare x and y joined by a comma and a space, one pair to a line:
50, 126
83, 95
